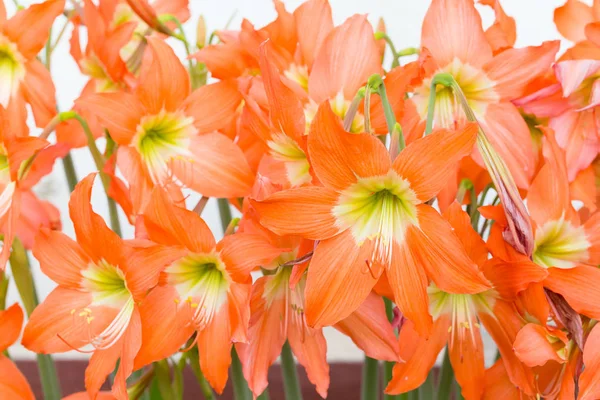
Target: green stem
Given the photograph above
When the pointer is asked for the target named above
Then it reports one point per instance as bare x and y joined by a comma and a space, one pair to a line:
21, 270
439, 79
48, 50
264, 395
370, 379
444, 390
291, 384
388, 40
390, 118
70, 172
426, 389
224, 213
240, 386
351, 112
99, 161
195, 364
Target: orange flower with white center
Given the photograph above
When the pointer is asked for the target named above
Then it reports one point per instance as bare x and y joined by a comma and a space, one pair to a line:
458, 321
96, 301
23, 78
167, 134
454, 38
204, 289
370, 216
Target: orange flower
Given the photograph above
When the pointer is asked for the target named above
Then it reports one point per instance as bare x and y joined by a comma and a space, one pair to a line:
457, 323
168, 134
453, 36
13, 384
370, 216
24, 79
96, 301
205, 288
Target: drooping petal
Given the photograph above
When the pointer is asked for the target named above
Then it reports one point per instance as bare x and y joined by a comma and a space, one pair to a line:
370, 330
578, 286
339, 279
411, 373
305, 211
60, 257
532, 61
466, 357
213, 106
217, 168
571, 19
39, 92
164, 82
310, 348
313, 23
452, 29
170, 224
498, 384
214, 347
346, 59
266, 336
340, 157
30, 27
243, 252
429, 174
166, 325
461, 224
409, 283
533, 347
437, 248
118, 112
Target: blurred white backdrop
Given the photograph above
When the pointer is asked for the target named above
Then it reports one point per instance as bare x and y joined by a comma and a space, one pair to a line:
403, 18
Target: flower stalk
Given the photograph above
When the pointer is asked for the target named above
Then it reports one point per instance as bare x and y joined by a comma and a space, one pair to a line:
291, 384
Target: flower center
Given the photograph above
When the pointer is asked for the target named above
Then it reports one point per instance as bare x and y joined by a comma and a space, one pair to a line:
298, 74
202, 281
284, 148
162, 137
560, 244
12, 70
378, 208
476, 86
92, 67
339, 106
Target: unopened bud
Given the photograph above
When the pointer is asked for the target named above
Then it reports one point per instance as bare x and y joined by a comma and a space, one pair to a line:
201, 33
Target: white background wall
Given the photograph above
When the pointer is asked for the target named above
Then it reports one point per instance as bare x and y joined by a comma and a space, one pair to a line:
403, 19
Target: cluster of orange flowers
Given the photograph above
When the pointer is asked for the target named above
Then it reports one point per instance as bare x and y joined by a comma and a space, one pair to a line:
408, 207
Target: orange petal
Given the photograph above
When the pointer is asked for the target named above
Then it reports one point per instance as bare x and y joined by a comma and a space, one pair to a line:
466, 357
370, 330
533, 347
118, 112
592, 230
510, 136
571, 19
39, 92
238, 298
217, 168
266, 336
286, 110
11, 321
346, 59
438, 249
340, 157
503, 32
52, 317
470, 239
409, 284
244, 252
498, 384
583, 188
86, 396
213, 106
589, 381
214, 347
13, 384
164, 81
572, 73
428, 175
169, 224
533, 61
339, 279
60, 257
310, 348
314, 22
30, 27
305, 211
20, 149
90, 228
512, 277
452, 29
166, 326
411, 373
578, 286
136, 175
